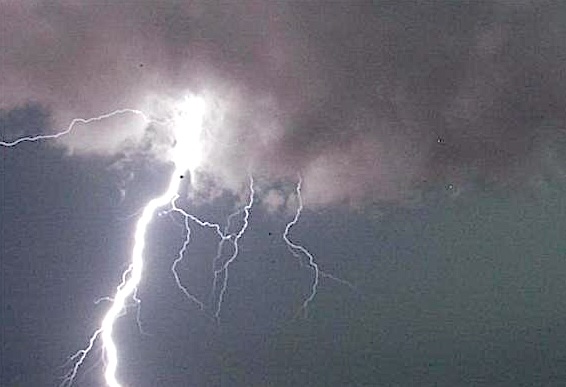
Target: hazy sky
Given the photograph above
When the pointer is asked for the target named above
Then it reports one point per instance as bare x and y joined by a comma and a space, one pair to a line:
430, 138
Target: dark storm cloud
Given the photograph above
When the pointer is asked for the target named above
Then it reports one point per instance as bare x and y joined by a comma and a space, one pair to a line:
365, 99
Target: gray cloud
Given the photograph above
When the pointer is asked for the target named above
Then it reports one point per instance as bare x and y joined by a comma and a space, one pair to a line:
367, 100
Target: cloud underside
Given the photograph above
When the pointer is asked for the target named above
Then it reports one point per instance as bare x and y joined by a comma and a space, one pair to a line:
367, 100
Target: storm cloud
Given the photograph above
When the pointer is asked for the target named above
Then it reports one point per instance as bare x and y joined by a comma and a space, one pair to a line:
366, 100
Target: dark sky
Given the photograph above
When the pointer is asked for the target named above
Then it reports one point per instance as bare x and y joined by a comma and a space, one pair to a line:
430, 136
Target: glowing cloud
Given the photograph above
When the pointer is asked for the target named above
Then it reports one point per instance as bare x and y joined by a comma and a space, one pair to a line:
186, 154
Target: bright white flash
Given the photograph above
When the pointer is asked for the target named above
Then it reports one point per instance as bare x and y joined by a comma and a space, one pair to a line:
186, 155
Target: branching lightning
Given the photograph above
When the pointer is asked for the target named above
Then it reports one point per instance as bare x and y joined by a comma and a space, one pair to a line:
235, 239
180, 256
186, 155
178, 260
224, 236
293, 247
41, 137
296, 249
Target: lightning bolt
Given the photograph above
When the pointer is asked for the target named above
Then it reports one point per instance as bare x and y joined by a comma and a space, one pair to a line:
185, 155
224, 236
235, 241
297, 249
180, 256
127, 287
177, 261
72, 125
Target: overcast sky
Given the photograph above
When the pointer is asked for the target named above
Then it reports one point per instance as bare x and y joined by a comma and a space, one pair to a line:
430, 139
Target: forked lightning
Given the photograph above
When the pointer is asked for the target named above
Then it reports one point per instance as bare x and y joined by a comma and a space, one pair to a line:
186, 156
